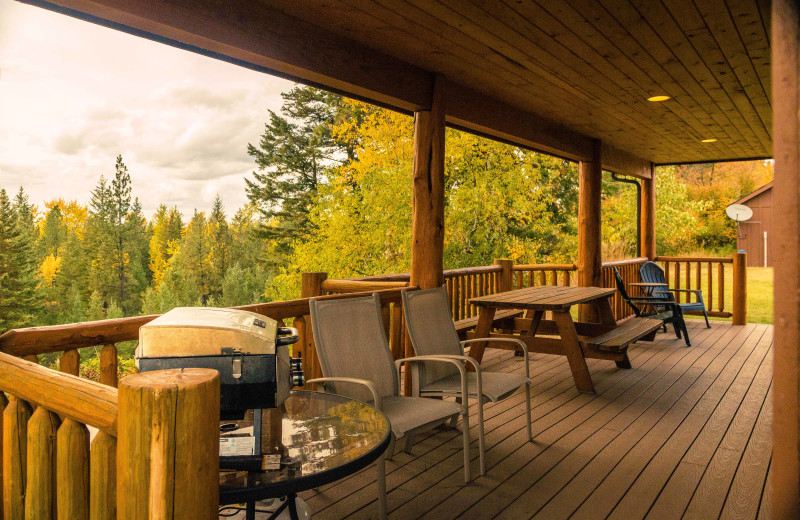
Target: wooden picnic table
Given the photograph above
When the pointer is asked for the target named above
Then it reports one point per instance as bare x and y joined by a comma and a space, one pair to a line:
562, 335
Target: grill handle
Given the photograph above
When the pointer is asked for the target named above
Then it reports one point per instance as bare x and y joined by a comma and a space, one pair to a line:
287, 336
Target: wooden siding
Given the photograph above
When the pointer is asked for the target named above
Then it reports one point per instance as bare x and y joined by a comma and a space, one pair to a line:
685, 433
753, 230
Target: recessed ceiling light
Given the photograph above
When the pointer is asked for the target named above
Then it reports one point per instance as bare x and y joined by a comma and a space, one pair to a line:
708, 141
658, 98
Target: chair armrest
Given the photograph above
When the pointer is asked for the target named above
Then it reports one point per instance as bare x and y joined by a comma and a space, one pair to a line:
458, 361
371, 386
518, 342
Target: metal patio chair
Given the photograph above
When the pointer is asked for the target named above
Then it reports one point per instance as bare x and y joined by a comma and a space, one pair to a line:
433, 334
356, 362
651, 272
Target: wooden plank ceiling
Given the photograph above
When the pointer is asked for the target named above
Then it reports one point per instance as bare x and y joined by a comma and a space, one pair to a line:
546, 74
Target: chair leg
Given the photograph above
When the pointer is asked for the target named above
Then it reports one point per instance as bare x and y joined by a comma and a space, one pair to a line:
465, 437
408, 444
481, 443
528, 409
685, 333
381, 481
708, 325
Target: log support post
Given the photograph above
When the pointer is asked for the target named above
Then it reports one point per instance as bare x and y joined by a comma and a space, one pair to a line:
786, 150
427, 203
589, 239
648, 216
168, 445
506, 275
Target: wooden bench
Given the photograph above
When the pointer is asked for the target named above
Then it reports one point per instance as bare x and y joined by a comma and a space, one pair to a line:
617, 340
501, 316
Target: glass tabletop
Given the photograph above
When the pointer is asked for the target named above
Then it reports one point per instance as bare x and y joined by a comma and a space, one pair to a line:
320, 438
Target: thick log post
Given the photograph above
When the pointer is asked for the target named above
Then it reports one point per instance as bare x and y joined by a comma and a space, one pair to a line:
739, 288
786, 150
427, 203
589, 239
507, 274
72, 471
40, 488
648, 222
103, 477
15, 449
168, 445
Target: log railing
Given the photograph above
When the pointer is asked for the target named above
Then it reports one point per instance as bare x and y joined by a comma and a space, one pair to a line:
708, 274
462, 284
31, 342
53, 467
629, 270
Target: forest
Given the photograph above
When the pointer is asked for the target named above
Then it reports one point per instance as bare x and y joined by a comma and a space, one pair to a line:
330, 191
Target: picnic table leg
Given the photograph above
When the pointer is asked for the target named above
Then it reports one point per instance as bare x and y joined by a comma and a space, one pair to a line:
482, 330
572, 349
536, 320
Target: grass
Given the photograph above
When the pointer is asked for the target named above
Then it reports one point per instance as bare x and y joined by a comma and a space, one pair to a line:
759, 292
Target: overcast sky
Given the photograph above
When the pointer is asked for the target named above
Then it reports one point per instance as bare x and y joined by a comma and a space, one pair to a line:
74, 95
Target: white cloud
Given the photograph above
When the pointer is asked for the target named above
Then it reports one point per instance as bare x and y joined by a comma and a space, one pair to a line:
74, 95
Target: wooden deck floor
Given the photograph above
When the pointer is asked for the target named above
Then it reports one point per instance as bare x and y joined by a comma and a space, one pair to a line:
686, 433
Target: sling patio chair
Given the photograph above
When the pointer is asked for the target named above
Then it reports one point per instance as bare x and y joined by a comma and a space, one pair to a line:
665, 310
356, 362
651, 273
433, 334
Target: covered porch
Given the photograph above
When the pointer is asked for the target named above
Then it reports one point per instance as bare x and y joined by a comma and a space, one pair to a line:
685, 429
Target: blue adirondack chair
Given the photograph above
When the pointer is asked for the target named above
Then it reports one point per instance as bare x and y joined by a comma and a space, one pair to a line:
651, 272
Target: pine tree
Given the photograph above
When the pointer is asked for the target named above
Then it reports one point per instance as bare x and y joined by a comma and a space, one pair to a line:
18, 299
116, 236
220, 243
292, 154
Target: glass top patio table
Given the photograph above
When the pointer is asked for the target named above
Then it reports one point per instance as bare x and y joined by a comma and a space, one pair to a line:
321, 438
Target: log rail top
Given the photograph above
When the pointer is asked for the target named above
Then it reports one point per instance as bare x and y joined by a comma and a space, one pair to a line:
543, 297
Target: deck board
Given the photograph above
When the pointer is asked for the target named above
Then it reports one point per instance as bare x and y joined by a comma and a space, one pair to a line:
685, 433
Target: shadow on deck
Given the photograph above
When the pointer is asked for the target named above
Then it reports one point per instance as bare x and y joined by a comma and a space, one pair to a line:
685, 433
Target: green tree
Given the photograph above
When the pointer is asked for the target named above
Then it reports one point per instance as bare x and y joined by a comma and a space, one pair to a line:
117, 237
291, 155
167, 228
220, 247
19, 303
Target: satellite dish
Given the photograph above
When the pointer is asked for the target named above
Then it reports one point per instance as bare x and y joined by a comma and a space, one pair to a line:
739, 212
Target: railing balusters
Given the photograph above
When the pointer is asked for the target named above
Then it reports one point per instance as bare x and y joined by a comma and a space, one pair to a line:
109, 372
15, 449
72, 471
40, 487
70, 362
103, 477
721, 285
